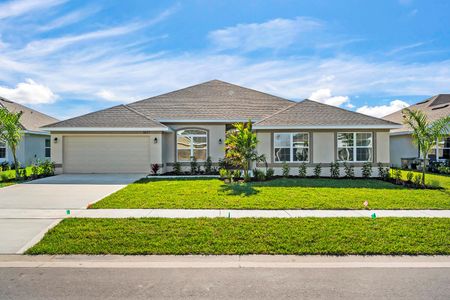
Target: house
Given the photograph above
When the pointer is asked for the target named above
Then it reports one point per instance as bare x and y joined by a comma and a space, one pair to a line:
402, 146
35, 144
193, 121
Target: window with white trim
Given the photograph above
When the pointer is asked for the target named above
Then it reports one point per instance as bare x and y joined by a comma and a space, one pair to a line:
47, 148
355, 146
192, 143
441, 151
291, 147
2, 149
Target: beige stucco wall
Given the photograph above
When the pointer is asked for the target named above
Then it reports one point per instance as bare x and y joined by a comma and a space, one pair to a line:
264, 144
323, 147
401, 146
382, 147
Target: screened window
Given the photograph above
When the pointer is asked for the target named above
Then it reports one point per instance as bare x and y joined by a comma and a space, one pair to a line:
191, 143
2, 149
291, 147
47, 148
442, 150
355, 146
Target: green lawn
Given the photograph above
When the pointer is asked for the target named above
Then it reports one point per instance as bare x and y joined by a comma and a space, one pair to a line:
7, 178
330, 236
431, 179
275, 194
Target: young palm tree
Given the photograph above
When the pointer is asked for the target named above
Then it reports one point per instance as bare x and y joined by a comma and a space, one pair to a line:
11, 132
426, 134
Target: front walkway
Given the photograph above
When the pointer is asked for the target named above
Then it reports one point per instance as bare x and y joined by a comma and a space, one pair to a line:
213, 213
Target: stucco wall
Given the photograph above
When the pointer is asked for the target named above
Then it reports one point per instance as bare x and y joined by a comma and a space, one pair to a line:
401, 146
323, 147
31, 148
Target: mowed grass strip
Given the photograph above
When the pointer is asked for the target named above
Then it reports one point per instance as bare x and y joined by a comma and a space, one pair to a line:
289, 193
330, 236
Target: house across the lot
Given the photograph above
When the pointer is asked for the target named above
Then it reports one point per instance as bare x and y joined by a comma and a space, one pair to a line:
192, 122
402, 146
35, 144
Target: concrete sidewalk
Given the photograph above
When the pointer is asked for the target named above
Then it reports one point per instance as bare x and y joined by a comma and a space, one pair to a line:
212, 213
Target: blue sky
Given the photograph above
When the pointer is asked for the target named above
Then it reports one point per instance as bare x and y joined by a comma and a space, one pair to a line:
68, 58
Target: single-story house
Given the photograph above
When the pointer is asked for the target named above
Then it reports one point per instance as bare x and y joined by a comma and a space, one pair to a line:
402, 146
193, 121
35, 144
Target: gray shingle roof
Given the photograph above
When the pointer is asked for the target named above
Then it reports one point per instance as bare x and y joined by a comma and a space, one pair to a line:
435, 108
31, 119
120, 116
311, 113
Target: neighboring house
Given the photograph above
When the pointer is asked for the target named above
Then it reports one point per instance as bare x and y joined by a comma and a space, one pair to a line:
402, 146
193, 122
35, 142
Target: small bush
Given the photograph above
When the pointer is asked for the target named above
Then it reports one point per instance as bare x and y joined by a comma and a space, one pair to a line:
177, 168
397, 175
381, 171
155, 168
259, 175
48, 168
35, 171
194, 165
285, 169
349, 170
4, 177
236, 175
269, 173
223, 173
208, 165
317, 170
334, 170
367, 170
409, 176
417, 179
302, 170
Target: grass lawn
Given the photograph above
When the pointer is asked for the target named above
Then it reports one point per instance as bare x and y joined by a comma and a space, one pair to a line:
331, 236
431, 179
10, 176
275, 194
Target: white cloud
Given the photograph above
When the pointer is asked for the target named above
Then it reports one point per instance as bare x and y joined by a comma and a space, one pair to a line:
15, 8
108, 95
274, 34
383, 110
324, 96
70, 18
29, 92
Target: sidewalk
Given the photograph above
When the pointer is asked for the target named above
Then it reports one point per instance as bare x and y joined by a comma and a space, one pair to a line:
213, 213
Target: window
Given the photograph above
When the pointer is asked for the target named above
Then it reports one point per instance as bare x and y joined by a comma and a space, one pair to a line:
192, 143
2, 149
354, 146
47, 148
291, 147
442, 150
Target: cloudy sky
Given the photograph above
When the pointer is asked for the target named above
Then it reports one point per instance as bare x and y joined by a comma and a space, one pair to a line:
68, 58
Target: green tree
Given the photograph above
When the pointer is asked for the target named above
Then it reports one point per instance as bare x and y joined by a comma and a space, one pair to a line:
11, 132
240, 146
426, 133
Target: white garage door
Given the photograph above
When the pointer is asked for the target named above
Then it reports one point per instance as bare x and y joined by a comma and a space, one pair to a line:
106, 154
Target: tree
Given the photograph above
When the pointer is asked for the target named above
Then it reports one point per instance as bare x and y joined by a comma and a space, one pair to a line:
426, 134
11, 132
240, 147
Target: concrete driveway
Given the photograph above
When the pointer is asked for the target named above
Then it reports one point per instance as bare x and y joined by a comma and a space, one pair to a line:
61, 192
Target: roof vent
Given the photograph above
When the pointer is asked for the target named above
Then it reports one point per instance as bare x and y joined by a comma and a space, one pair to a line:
440, 107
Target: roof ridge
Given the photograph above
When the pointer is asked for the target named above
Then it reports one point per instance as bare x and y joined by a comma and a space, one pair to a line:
141, 114
280, 111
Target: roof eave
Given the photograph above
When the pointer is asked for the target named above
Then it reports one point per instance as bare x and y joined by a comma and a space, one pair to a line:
106, 129
326, 126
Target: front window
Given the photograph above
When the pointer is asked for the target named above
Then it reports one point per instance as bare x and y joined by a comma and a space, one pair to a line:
441, 151
2, 149
291, 147
47, 148
192, 143
354, 146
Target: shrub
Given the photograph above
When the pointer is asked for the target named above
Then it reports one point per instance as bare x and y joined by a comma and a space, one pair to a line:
269, 173
381, 171
334, 170
35, 171
223, 173
194, 165
397, 175
285, 169
4, 166
317, 170
417, 179
236, 175
208, 165
4, 177
177, 168
155, 168
367, 170
444, 169
302, 170
349, 170
48, 168
259, 174
409, 176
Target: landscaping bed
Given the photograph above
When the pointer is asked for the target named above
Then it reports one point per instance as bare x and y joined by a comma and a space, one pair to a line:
283, 193
327, 236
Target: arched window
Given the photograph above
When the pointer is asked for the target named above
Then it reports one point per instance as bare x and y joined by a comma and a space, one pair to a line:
192, 143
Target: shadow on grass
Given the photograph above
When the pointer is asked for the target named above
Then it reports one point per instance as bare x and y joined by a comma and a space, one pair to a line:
239, 189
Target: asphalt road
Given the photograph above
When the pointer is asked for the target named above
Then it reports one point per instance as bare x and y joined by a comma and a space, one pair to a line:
224, 283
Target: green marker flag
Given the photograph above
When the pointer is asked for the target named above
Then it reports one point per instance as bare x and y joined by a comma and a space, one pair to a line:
68, 212
374, 216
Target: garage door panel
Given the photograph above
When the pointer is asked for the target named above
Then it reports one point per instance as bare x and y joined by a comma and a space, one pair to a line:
100, 154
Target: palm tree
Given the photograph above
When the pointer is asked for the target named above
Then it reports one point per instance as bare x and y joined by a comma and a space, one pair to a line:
426, 134
11, 132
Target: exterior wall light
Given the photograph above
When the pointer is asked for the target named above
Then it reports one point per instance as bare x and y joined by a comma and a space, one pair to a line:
55, 140
155, 140
220, 141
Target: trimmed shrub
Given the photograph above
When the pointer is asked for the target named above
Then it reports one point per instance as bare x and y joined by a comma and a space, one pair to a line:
417, 179
155, 169
409, 176
285, 169
397, 175
367, 170
349, 170
302, 170
236, 175
317, 170
194, 165
177, 168
208, 165
259, 175
269, 173
334, 170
